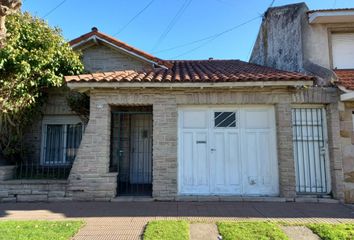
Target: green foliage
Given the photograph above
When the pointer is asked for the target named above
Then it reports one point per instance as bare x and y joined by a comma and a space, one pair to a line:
35, 58
333, 231
39, 230
79, 103
250, 231
167, 230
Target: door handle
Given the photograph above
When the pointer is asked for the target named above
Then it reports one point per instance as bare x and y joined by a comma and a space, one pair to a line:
213, 149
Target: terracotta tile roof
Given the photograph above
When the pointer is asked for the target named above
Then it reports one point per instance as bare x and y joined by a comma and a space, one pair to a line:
118, 43
345, 78
197, 71
331, 10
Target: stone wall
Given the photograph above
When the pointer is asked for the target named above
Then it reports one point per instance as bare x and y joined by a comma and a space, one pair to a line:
56, 105
99, 58
347, 142
90, 177
33, 191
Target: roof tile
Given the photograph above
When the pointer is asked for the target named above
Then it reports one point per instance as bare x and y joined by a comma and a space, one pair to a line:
345, 78
197, 71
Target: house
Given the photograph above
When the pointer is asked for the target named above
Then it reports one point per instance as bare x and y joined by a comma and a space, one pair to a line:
173, 130
321, 43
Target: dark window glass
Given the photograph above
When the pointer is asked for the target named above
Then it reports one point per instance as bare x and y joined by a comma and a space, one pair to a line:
224, 119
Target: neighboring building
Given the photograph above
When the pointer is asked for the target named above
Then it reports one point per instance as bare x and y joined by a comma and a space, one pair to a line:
208, 129
318, 42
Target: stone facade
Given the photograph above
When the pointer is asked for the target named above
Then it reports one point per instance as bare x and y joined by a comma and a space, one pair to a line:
90, 177
56, 105
100, 58
347, 142
34, 191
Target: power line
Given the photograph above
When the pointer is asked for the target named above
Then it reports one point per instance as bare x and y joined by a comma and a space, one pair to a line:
172, 23
208, 37
134, 17
53, 9
215, 36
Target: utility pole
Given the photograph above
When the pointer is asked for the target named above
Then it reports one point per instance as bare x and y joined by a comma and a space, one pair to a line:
6, 8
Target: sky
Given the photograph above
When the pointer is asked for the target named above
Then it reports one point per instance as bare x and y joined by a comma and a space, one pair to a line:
169, 29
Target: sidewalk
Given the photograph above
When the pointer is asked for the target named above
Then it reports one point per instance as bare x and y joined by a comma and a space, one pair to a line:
126, 220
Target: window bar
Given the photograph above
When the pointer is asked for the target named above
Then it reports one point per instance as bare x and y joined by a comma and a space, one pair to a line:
323, 156
119, 153
308, 147
302, 148
295, 132
319, 145
313, 148
138, 129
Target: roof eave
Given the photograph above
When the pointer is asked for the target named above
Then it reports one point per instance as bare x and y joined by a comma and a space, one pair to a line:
289, 83
95, 36
340, 16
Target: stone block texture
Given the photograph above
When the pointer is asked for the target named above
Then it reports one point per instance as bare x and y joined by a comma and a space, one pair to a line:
90, 178
101, 58
347, 148
33, 190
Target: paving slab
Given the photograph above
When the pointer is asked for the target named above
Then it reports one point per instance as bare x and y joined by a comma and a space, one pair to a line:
203, 231
299, 233
127, 220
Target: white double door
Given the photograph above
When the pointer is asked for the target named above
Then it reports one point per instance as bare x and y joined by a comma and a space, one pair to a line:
227, 151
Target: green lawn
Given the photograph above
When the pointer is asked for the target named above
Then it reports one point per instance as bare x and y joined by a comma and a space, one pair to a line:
39, 230
250, 231
167, 230
333, 231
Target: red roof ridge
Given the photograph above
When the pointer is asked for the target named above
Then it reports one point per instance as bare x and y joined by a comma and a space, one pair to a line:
118, 43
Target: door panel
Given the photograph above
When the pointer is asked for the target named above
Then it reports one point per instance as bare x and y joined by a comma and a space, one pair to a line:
141, 144
228, 151
194, 149
310, 150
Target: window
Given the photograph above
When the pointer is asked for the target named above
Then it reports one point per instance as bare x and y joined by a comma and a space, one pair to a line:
343, 50
224, 119
61, 139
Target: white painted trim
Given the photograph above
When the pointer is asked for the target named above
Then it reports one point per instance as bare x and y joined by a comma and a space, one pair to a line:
95, 38
78, 85
52, 120
347, 97
313, 17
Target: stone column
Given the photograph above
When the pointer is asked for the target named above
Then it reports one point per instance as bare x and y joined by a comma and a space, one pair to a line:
165, 149
286, 161
90, 178
334, 147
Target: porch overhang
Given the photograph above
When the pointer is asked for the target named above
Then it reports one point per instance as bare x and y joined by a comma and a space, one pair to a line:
241, 84
347, 96
331, 16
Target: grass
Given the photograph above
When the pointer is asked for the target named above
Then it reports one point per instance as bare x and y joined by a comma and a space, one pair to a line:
167, 230
250, 231
39, 230
333, 231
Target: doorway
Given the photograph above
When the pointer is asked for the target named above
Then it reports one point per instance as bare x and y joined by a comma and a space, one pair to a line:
131, 150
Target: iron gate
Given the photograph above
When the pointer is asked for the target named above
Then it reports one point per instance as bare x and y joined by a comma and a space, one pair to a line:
132, 152
310, 150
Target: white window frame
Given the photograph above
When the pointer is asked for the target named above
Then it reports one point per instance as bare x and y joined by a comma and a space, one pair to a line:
56, 120
332, 53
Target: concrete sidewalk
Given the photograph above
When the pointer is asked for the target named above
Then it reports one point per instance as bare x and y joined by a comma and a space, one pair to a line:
126, 220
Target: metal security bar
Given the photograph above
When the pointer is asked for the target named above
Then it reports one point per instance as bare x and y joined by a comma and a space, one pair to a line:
131, 151
310, 150
29, 170
59, 148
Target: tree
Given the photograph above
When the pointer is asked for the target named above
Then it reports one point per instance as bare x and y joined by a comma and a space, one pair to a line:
35, 58
6, 8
